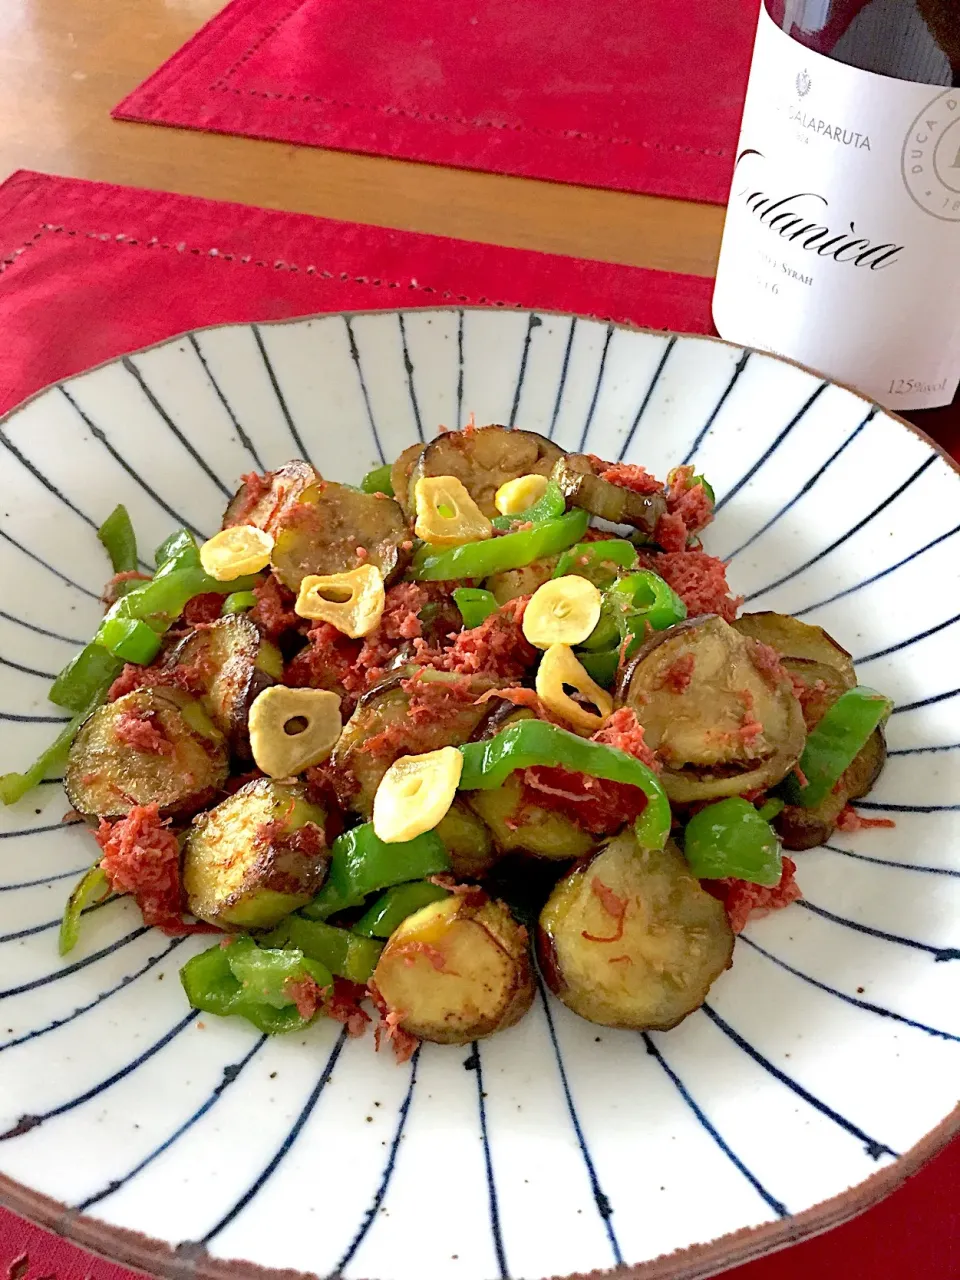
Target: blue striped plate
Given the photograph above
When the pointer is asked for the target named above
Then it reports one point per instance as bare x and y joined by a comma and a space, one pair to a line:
824, 1067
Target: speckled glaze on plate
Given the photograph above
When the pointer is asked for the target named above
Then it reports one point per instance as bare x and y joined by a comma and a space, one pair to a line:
824, 1066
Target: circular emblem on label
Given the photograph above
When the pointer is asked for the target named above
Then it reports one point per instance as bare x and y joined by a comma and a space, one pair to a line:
803, 83
930, 162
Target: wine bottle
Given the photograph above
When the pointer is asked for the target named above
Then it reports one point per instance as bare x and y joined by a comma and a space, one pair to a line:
841, 247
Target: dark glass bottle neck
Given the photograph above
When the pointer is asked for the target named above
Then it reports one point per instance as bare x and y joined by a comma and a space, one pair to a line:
908, 39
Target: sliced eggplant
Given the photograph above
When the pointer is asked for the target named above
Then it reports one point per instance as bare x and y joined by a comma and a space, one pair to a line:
400, 474
256, 857
235, 663
333, 528
456, 970
484, 458
381, 730
809, 654
521, 582
729, 725
468, 841
800, 828
576, 474
152, 746
529, 828
263, 500
630, 939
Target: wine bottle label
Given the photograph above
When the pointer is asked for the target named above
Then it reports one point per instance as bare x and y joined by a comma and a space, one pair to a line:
841, 247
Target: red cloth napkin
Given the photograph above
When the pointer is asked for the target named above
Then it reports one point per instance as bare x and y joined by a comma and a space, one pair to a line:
639, 97
88, 271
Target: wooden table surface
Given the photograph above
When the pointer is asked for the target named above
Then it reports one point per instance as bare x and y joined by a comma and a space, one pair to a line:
65, 63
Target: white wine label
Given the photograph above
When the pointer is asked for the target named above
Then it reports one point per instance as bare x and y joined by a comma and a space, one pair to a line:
841, 247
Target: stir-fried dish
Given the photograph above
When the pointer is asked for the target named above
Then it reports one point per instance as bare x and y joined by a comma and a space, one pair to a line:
390, 741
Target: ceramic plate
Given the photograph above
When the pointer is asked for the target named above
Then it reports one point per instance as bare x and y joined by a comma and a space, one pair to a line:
824, 1066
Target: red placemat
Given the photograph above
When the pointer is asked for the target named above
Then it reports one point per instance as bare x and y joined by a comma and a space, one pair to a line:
638, 97
88, 271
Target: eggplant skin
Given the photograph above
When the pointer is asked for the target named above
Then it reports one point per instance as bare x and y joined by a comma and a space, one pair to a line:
529, 828
256, 857
630, 939
106, 776
457, 970
702, 717
264, 501
483, 459
468, 842
236, 663
579, 483
333, 528
800, 828
400, 474
385, 709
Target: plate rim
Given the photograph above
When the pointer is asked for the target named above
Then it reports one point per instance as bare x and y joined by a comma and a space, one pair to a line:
187, 1261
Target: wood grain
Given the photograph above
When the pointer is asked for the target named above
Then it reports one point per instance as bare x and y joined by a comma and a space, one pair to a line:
65, 63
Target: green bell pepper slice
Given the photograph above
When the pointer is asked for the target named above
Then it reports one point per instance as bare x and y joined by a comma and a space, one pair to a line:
598, 562
130, 639
244, 980
601, 667
339, 950
361, 864
475, 604
834, 743
496, 555
731, 839
378, 481
389, 911
640, 602
92, 884
178, 551
549, 507
238, 602
487, 765
119, 540
85, 678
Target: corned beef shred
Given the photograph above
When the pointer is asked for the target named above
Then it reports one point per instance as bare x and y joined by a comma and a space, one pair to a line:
624, 731
400, 622
190, 677
203, 608
677, 677
688, 501
613, 905
850, 821
130, 678
437, 701
741, 900
255, 486
141, 857
671, 532
305, 994
627, 475
389, 1029
343, 1005
497, 648
274, 608
325, 662
698, 579
767, 662
143, 732
598, 806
